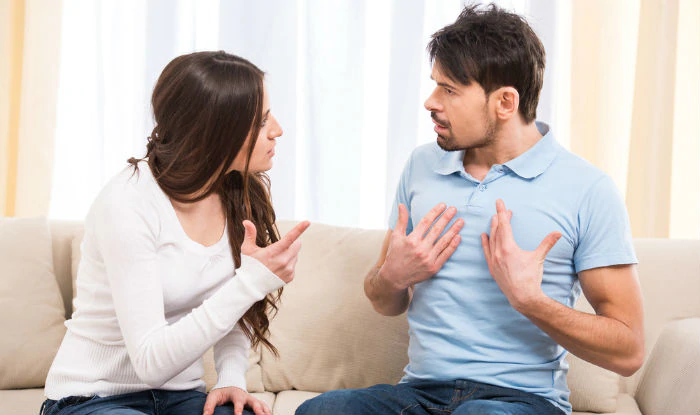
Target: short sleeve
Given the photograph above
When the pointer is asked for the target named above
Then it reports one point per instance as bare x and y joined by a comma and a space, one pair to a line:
402, 197
604, 236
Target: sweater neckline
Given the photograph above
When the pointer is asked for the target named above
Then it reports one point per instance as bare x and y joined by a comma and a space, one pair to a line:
167, 206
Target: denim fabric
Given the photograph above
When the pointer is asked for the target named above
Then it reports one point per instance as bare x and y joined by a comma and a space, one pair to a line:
150, 402
460, 397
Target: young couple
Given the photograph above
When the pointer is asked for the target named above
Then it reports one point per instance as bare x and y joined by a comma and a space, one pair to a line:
496, 230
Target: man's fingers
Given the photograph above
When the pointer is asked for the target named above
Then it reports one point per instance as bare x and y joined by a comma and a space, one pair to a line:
447, 252
547, 244
504, 231
440, 225
486, 247
500, 206
292, 235
428, 219
401, 221
492, 232
445, 239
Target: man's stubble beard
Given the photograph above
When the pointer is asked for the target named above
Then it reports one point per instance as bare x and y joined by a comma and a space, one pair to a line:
485, 141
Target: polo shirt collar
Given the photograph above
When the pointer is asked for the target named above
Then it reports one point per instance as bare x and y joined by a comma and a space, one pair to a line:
528, 165
450, 162
535, 160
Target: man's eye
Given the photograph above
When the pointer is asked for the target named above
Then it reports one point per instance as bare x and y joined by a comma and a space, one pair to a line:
449, 91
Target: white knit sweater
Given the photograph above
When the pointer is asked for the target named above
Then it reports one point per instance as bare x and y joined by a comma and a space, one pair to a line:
150, 301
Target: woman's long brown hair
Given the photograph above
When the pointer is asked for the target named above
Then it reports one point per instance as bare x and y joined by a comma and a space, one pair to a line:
205, 105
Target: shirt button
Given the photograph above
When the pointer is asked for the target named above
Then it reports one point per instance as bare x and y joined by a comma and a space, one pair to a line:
482, 187
499, 169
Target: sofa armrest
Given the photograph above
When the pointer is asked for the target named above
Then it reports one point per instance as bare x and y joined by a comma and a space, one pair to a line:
671, 379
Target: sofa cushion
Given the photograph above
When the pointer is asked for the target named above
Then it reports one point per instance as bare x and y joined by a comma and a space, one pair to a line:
287, 402
32, 308
326, 331
593, 389
21, 401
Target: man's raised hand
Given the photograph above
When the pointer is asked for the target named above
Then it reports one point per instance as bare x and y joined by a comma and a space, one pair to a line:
418, 256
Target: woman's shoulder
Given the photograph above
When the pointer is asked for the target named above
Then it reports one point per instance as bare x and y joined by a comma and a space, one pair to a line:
133, 189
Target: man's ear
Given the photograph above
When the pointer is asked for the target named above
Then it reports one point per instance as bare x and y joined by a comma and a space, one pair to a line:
507, 101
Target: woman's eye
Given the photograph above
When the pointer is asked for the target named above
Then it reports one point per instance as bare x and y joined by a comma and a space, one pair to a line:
262, 124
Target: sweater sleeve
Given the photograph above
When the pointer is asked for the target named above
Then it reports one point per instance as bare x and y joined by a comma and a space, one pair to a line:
231, 358
125, 230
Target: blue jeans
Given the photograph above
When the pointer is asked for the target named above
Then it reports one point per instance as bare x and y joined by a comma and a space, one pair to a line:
460, 397
150, 402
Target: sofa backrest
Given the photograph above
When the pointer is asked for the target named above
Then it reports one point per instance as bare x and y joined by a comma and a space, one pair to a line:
329, 336
63, 235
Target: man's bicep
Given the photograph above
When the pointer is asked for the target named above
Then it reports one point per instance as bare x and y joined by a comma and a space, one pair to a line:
614, 292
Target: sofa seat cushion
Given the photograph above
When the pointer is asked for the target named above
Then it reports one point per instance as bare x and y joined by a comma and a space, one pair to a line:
21, 401
626, 405
287, 402
32, 307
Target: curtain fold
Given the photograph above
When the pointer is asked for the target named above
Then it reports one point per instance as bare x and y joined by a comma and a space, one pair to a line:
11, 46
30, 54
631, 116
649, 188
348, 83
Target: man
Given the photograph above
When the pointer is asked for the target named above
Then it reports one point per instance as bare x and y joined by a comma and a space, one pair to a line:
489, 282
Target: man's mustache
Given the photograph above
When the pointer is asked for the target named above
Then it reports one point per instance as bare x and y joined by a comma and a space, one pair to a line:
438, 121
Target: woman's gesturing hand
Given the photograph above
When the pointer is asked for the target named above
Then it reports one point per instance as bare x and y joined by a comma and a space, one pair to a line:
281, 257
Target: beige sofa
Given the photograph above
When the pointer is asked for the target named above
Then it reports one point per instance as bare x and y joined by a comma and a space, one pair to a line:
328, 335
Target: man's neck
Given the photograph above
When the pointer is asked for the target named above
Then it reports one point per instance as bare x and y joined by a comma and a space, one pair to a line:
510, 141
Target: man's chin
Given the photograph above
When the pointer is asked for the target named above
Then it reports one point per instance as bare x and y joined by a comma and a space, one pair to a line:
444, 143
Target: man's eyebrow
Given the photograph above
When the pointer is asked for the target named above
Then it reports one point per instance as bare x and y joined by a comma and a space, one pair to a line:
446, 85
443, 84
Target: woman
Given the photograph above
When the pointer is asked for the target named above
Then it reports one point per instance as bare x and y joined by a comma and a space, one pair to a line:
156, 285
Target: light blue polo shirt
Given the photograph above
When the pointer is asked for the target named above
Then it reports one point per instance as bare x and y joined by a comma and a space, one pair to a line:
461, 325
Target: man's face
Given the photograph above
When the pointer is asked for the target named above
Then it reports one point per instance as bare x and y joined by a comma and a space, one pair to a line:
460, 113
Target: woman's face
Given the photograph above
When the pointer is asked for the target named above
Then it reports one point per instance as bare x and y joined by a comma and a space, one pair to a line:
261, 159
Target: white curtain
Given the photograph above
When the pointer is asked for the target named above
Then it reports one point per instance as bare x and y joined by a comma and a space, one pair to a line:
347, 80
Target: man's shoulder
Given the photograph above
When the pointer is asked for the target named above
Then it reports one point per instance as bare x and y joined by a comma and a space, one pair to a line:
575, 170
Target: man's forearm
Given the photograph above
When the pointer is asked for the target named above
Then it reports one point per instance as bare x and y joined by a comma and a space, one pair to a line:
603, 341
386, 299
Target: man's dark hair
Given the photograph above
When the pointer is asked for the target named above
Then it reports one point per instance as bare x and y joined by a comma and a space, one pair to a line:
495, 48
